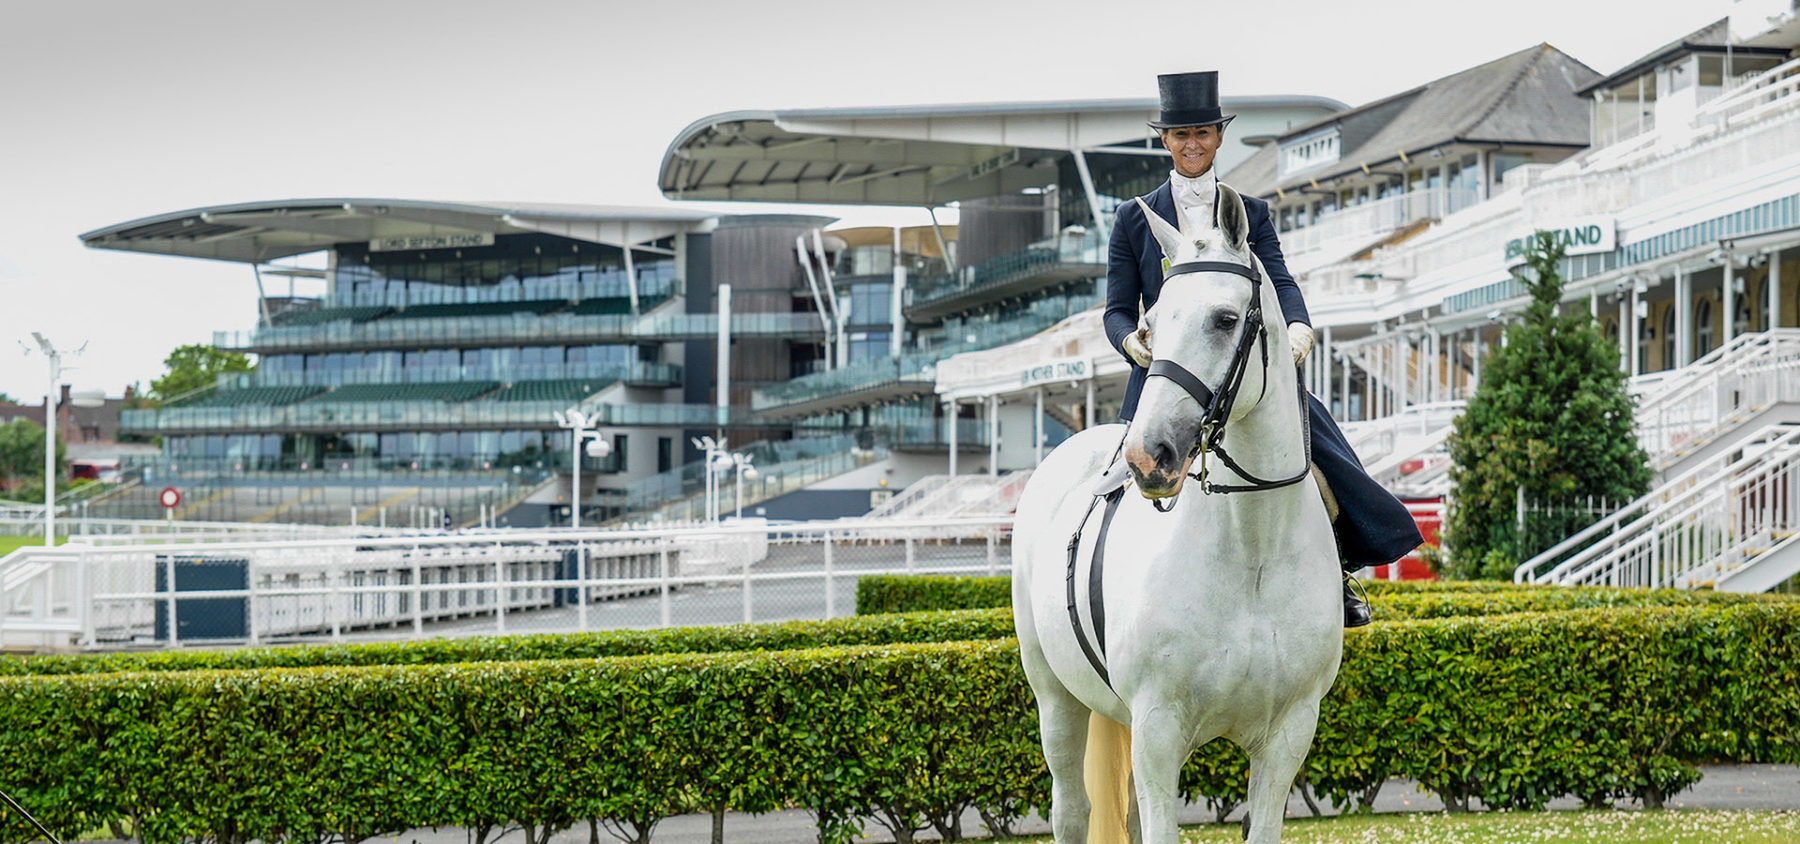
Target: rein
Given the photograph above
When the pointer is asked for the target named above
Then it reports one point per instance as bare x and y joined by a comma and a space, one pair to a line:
1216, 406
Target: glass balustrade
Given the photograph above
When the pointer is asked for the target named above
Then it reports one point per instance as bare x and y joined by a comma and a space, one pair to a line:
635, 373
348, 416
1083, 249
467, 332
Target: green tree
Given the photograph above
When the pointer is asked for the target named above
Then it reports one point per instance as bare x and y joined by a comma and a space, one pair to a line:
1551, 416
22, 458
194, 366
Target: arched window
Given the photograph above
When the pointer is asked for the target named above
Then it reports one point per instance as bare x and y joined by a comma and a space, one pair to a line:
1645, 332
1668, 332
1741, 325
1703, 327
1612, 330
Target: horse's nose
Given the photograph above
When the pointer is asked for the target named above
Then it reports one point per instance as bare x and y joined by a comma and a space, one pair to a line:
1164, 455
1156, 462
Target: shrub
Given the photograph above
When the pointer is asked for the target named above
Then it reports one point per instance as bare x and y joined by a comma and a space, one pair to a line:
912, 593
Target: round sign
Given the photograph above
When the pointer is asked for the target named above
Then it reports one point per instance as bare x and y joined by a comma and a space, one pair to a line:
170, 497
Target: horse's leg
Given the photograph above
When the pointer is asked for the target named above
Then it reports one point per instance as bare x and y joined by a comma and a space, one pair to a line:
1273, 765
1159, 747
1063, 723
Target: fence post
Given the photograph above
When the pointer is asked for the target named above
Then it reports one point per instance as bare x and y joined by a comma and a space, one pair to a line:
662, 566
911, 566
830, 581
250, 561
169, 598
332, 597
581, 586
993, 548
499, 594
746, 588
86, 607
418, 584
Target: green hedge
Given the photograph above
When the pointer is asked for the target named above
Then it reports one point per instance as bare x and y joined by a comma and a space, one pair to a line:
782, 636
1394, 601
1511, 710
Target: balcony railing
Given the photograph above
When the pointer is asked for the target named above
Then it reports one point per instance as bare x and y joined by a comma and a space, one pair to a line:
1359, 225
632, 373
682, 481
327, 417
971, 434
908, 368
1064, 258
511, 330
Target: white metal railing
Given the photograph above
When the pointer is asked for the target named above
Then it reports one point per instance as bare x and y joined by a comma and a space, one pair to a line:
1686, 532
1713, 395
1775, 89
1359, 224
90, 596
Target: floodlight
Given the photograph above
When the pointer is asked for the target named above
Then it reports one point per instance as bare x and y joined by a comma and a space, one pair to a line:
599, 449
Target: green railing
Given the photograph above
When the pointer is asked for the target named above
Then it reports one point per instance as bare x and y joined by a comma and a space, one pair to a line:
512, 330
1082, 250
646, 493
327, 417
912, 367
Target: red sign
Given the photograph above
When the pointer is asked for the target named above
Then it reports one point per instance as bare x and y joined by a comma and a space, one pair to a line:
170, 497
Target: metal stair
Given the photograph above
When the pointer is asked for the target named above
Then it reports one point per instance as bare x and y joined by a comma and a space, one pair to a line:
1728, 523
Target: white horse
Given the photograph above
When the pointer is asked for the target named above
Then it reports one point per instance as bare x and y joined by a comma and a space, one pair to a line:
1223, 616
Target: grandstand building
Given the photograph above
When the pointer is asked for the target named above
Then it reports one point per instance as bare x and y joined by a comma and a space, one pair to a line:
450, 335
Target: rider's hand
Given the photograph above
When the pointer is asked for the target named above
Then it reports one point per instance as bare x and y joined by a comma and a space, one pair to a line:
1300, 340
1137, 347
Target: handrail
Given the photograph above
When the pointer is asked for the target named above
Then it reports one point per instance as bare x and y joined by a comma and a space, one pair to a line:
1755, 372
1705, 476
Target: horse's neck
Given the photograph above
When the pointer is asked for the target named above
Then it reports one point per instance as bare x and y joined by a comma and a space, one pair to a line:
1268, 441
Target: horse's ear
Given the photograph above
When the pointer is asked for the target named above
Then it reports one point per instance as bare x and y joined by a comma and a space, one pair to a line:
1234, 221
1167, 236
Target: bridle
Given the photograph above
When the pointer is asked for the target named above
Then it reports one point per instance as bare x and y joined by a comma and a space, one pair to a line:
1216, 406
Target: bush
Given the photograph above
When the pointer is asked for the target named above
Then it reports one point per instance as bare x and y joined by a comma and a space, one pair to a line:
791, 635
1511, 710
1393, 600
914, 593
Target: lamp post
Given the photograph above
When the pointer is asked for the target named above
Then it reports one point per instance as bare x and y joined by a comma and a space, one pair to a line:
580, 428
54, 357
741, 464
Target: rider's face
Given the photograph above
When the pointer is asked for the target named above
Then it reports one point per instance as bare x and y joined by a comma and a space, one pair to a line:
1192, 148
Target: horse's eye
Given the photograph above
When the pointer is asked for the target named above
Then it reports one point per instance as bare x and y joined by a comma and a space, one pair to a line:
1225, 322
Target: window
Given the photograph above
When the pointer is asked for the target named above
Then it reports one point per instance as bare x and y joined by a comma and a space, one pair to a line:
665, 454
619, 444
1668, 331
1703, 327
1309, 152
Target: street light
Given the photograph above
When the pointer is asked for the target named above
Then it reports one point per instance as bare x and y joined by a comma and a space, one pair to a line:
84, 399
741, 463
580, 428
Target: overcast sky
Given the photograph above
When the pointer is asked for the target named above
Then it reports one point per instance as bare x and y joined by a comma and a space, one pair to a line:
114, 111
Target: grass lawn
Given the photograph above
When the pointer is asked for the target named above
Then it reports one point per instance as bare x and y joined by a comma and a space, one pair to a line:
1666, 827
10, 543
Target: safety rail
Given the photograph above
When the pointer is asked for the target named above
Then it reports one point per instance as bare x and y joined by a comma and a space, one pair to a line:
173, 593
333, 417
1693, 530
1058, 259
1719, 392
513, 329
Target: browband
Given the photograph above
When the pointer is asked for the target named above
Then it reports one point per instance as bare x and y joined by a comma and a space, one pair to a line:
1212, 267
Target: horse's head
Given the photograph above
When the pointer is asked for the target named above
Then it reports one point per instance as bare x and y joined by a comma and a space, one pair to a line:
1211, 314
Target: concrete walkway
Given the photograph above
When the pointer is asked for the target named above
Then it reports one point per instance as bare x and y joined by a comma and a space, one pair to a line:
1760, 787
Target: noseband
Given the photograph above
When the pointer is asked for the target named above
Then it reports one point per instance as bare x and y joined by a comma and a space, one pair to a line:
1216, 406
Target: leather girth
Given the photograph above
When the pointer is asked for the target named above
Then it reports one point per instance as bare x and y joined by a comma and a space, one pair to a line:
1094, 650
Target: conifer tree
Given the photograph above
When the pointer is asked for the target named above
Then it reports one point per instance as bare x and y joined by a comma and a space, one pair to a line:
1552, 416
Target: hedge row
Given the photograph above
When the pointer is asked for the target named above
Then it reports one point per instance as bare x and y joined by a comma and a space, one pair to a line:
781, 636
1511, 710
1394, 601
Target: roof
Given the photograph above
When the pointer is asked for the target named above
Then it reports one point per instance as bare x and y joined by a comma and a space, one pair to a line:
256, 232
1525, 98
912, 155
1715, 37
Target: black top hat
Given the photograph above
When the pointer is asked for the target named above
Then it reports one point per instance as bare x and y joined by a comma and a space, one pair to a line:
1190, 99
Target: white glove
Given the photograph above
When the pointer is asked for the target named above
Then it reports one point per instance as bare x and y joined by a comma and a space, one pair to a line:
1300, 340
1137, 347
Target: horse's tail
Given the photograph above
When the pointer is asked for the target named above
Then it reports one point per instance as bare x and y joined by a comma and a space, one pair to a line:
1107, 770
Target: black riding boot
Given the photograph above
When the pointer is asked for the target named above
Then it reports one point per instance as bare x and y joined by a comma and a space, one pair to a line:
1356, 608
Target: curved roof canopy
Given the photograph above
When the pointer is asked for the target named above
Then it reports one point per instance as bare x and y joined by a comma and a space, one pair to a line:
256, 232
913, 155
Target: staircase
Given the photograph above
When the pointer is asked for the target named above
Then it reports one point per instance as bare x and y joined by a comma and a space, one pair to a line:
1686, 416
1731, 521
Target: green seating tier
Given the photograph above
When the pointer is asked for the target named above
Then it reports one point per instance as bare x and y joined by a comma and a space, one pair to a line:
444, 391
553, 389
252, 396
325, 315
479, 309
